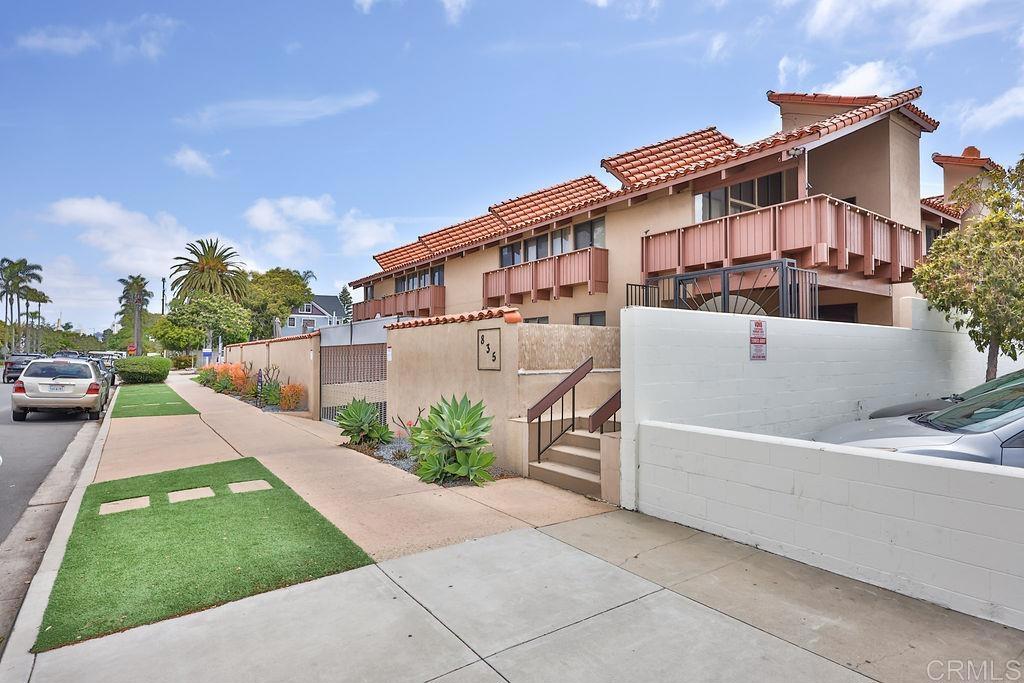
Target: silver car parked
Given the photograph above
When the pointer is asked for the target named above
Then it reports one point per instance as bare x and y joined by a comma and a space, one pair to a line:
986, 428
59, 384
932, 404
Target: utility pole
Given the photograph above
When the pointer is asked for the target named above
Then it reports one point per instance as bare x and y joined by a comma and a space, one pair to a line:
163, 294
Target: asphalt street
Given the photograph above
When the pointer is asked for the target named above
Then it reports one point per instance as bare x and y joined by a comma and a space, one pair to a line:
29, 450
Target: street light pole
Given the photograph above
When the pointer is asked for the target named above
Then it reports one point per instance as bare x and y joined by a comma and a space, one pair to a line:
163, 294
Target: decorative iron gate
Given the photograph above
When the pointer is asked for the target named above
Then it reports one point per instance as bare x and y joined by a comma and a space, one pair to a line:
352, 372
771, 288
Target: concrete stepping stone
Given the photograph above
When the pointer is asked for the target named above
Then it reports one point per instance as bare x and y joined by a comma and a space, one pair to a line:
190, 494
123, 505
247, 486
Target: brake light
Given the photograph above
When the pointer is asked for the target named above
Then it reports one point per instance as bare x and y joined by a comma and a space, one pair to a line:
94, 389
19, 387
8, 363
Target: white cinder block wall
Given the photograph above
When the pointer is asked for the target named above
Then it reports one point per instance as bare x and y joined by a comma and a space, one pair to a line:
946, 531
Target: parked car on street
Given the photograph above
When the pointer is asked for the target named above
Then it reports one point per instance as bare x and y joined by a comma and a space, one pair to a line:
985, 428
16, 362
106, 367
59, 384
929, 404
65, 353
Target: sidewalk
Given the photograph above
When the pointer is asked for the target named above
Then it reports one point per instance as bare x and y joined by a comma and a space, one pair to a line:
515, 581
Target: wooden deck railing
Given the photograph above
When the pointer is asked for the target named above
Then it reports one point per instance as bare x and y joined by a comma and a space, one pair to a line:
547, 278
425, 301
818, 231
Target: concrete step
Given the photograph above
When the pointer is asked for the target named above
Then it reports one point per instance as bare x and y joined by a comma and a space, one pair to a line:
584, 458
567, 477
581, 438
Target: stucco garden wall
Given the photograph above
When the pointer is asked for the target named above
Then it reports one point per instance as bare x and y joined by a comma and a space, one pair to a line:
297, 358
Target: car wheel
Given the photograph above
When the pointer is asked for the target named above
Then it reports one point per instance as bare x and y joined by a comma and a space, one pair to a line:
18, 415
94, 414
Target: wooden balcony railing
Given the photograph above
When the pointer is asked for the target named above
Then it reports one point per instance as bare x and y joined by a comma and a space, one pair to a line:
425, 301
818, 231
547, 278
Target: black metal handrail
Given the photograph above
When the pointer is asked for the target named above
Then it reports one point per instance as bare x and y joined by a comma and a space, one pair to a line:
609, 409
547, 404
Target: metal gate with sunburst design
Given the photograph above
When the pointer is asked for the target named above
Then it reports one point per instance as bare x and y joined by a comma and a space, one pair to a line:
768, 288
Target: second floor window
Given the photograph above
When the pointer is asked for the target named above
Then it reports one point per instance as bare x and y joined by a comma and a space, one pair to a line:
424, 278
437, 275
739, 197
535, 248
590, 234
367, 292
306, 308
511, 254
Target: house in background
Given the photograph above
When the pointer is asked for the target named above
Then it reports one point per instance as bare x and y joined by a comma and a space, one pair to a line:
837, 190
940, 213
324, 310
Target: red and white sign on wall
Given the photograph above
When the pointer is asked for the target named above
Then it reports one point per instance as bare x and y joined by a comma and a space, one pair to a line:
758, 340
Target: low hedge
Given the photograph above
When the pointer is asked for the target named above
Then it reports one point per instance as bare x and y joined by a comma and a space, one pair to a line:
182, 362
142, 369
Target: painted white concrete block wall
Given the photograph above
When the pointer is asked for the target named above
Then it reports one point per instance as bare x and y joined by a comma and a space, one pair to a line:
945, 531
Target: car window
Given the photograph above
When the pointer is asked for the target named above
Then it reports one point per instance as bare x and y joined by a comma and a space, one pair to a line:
50, 369
983, 413
1008, 378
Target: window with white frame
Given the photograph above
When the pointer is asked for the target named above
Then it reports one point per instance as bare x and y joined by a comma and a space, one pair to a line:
306, 308
291, 322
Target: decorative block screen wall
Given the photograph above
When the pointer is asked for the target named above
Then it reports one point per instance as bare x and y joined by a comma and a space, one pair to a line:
353, 372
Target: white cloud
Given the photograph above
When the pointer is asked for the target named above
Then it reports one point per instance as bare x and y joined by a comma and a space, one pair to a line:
361, 234
632, 9
193, 162
792, 67
946, 22
275, 112
145, 36
1004, 108
131, 241
870, 78
292, 47
80, 297
453, 9
717, 47
831, 18
275, 215
364, 6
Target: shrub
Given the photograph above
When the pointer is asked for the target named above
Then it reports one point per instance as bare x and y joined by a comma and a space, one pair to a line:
272, 393
181, 362
249, 391
291, 396
452, 440
239, 377
360, 422
223, 384
142, 369
207, 376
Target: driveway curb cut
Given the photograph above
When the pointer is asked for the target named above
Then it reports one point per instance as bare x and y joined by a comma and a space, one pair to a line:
18, 661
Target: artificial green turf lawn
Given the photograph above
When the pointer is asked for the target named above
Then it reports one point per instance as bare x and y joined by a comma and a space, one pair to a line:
139, 566
147, 400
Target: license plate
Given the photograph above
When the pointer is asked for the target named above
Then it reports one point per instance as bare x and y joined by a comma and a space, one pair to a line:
56, 387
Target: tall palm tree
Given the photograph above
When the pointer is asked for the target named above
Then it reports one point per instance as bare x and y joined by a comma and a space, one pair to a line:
7, 294
34, 296
134, 297
307, 276
17, 277
211, 268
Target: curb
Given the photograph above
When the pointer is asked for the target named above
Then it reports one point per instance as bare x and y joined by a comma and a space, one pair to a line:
18, 661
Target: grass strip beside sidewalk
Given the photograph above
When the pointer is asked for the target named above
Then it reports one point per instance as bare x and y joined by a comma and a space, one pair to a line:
140, 566
148, 400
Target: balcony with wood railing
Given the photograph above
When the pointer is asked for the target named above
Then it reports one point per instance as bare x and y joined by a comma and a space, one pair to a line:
818, 231
425, 301
552, 277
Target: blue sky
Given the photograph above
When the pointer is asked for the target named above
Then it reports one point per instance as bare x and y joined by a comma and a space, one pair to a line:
314, 134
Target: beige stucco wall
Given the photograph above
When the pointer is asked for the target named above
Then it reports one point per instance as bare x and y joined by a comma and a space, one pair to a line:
797, 115
297, 359
953, 175
440, 360
856, 165
904, 171
872, 309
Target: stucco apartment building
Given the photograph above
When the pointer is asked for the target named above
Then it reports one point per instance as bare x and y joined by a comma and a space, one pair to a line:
837, 189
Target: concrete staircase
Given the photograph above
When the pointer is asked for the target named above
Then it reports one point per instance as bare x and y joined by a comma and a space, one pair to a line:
573, 462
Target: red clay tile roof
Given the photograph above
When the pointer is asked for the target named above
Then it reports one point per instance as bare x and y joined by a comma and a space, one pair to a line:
509, 313
542, 205
971, 156
463, 234
654, 161
407, 253
846, 101
938, 203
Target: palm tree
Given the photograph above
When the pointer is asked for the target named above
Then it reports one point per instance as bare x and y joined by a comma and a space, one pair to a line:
307, 276
34, 296
7, 294
210, 268
17, 278
134, 297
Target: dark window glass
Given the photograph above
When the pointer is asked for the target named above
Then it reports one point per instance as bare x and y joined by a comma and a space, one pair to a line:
49, 370
437, 275
535, 248
742, 192
713, 204
769, 189
399, 285
511, 254
595, 318
540, 320
930, 235
560, 241
424, 278
598, 231
368, 292
584, 238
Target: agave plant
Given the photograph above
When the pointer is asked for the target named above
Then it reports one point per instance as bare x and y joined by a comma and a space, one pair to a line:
473, 465
359, 421
452, 428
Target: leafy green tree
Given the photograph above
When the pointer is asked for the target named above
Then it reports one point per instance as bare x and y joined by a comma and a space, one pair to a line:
975, 274
273, 294
134, 298
215, 314
210, 267
345, 297
176, 337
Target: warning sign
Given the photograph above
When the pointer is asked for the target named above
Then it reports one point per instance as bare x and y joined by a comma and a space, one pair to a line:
758, 340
